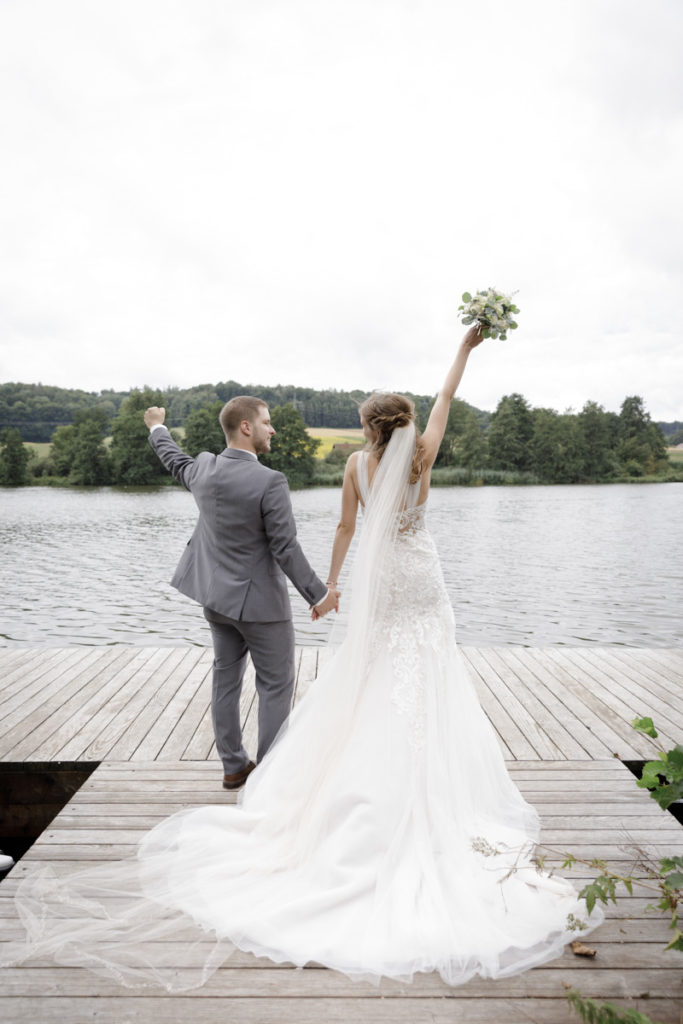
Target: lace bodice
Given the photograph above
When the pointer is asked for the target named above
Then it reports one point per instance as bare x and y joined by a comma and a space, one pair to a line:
415, 622
412, 516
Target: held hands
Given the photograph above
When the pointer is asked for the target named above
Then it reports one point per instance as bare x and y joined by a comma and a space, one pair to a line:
330, 602
154, 415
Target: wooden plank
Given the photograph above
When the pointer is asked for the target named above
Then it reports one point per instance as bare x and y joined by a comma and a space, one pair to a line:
584, 705
197, 705
12, 658
541, 704
669, 662
617, 698
510, 739
645, 682
135, 1009
90, 720
19, 679
101, 835
33, 723
515, 699
54, 676
307, 672
123, 709
621, 981
48, 673
569, 712
55, 738
154, 701
187, 678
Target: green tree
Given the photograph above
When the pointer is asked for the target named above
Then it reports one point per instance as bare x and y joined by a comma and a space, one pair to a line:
463, 443
597, 440
62, 452
554, 447
78, 450
510, 433
13, 458
203, 432
292, 450
90, 465
641, 442
133, 460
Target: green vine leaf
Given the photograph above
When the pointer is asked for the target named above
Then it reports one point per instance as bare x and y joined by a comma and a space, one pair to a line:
677, 941
645, 725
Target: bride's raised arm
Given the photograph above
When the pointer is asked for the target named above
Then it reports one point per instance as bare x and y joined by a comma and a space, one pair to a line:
438, 417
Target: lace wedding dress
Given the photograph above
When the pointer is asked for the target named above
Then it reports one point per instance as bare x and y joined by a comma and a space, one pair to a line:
381, 835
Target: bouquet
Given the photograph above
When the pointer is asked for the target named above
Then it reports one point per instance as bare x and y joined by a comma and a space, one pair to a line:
492, 310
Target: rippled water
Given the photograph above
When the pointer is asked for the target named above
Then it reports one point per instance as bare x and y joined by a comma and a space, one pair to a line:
529, 565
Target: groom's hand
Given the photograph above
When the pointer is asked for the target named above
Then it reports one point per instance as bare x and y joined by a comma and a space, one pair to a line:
330, 602
154, 415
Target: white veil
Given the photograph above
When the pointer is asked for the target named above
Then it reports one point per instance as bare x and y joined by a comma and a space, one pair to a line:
385, 501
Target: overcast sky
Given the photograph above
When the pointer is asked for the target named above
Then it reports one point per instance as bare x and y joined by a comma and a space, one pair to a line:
298, 191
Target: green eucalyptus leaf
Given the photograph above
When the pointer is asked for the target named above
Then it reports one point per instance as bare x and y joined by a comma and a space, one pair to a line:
466, 297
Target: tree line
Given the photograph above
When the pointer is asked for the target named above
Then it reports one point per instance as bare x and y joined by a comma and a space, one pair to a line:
591, 446
516, 443
36, 410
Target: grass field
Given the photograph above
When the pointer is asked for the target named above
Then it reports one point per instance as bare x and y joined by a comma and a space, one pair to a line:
330, 436
42, 448
676, 455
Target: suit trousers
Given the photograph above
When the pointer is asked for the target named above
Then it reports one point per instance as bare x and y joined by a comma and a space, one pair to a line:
271, 646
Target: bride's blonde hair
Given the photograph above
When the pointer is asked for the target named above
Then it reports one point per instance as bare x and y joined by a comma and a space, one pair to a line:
384, 411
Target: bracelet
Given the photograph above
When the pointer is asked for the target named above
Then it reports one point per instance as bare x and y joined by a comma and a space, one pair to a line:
331, 583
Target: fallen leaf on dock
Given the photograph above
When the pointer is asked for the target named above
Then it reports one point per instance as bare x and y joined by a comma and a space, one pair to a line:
581, 949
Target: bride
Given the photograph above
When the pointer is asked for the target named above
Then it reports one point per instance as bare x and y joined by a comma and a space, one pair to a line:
381, 835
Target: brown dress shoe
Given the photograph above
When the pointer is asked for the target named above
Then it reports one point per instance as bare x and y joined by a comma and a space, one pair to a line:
239, 778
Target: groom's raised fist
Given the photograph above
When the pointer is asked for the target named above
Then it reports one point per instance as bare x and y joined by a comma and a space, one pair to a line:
155, 414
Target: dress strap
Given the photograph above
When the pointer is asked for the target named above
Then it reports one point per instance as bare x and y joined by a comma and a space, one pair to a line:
362, 469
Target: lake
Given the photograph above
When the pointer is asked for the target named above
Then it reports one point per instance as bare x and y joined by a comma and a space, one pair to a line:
535, 566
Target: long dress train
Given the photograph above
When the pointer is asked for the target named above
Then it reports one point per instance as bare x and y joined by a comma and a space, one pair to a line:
380, 836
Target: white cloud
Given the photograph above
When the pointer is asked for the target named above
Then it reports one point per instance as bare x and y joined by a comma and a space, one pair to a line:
299, 191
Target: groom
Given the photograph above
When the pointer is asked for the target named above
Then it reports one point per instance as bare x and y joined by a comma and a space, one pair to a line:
235, 564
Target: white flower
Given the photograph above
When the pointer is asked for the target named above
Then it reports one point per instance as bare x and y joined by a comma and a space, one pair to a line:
491, 309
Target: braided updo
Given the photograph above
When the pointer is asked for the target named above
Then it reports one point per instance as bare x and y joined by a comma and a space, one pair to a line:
384, 412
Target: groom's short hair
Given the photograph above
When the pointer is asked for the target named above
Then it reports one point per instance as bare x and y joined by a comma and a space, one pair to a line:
242, 407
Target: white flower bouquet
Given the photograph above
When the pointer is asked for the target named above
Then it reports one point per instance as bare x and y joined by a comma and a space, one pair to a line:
492, 310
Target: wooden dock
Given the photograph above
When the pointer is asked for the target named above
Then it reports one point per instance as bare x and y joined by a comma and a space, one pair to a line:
562, 717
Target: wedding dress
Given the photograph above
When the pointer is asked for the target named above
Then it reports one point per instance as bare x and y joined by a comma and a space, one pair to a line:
381, 835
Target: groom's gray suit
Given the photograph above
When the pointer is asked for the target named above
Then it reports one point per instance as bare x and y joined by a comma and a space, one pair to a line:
234, 565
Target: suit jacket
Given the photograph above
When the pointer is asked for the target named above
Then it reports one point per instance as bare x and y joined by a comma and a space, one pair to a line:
245, 538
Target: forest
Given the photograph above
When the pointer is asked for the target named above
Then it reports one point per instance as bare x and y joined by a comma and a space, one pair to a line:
59, 436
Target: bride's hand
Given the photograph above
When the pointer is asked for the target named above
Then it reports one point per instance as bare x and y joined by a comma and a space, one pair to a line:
473, 337
330, 602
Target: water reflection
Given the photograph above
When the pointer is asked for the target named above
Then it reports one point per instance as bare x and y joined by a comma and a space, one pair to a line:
538, 565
